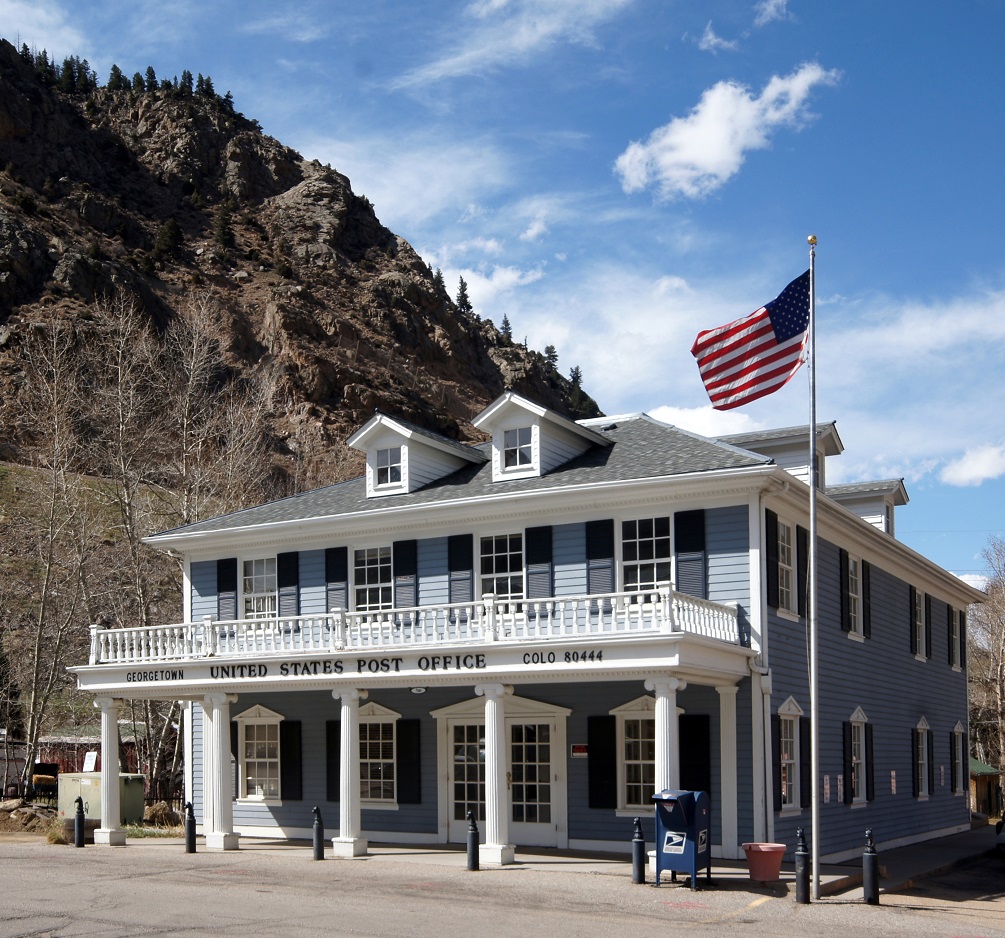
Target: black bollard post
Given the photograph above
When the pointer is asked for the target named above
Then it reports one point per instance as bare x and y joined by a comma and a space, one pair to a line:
78, 823
319, 835
802, 869
870, 871
638, 854
472, 842
189, 827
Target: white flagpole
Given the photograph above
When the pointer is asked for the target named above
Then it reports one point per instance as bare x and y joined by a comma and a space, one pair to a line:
812, 585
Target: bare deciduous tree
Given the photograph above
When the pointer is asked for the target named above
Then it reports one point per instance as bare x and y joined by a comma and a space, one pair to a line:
986, 662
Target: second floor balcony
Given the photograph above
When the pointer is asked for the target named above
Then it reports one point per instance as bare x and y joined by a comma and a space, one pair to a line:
489, 620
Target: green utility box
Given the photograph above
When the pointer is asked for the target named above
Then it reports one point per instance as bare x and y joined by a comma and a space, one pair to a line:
87, 785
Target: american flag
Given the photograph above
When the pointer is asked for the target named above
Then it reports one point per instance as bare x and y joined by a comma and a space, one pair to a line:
753, 356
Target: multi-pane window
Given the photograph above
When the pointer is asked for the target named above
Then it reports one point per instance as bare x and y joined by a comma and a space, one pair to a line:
645, 553
389, 465
786, 567
376, 761
261, 760
857, 780
955, 658
530, 761
921, 757
789, 760
259, 588
517, 449
959, 763
502, 565
855, 595
639, 760
372, 579
918, 621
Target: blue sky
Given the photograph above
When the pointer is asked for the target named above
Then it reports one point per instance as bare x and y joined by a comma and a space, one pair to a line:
615, 175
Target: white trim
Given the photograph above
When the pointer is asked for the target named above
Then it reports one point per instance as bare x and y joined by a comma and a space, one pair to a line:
856, 852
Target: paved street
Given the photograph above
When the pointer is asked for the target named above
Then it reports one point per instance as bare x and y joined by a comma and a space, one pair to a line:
151, 888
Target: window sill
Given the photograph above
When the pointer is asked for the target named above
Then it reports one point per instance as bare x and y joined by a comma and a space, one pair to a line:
788, 615
790, 811
268, 802
379, 805
856, 637
635, 812
957, 669
861, 803
920, 657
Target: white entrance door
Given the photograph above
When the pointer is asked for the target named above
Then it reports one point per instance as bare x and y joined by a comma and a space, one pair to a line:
535, 771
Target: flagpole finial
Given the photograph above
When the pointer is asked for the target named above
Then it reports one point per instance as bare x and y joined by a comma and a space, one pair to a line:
812, 240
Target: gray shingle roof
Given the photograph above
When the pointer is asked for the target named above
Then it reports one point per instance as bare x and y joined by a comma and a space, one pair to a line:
641, 448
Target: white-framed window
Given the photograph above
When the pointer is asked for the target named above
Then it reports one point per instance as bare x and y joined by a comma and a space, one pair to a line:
787, 597
378, 776
258, 588
645, 553
518, 449
258, 755
955, 636
372, 583
918, 622
855, 594
502, 565
636, 742
960, 761
858, 756
922, 757
789, 715
388, 466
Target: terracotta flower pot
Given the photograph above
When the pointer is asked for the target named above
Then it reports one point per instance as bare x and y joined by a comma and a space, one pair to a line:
764, 861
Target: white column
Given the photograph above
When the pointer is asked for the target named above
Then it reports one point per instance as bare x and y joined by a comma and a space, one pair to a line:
349, 843
766, 757
667, 735
221, 835
496, 848
111, 831
208, 772
759, 739
728, 772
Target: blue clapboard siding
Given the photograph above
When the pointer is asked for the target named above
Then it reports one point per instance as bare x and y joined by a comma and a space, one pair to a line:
203, 579
568, 548
433, 570
312, 582
881, 676
727, 541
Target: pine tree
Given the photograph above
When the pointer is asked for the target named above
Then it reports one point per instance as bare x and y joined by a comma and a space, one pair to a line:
151, 80
224, 231
506, 329
67, 77
438, 280
463, 303
186, 82
169, 239
137, 82
550, 355
116, 80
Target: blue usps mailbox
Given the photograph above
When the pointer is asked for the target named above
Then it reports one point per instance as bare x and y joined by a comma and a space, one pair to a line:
683, 830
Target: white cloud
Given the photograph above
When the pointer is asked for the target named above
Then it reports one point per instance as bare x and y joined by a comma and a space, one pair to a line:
290, 25
706, 420
484, 288
975, 466
509, 32
534, 230
975, 580
42, 25
710, 42
767, 11
695, 155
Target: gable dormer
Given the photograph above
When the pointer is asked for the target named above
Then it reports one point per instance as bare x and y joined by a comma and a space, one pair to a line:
789, 448
401, 457
872, 501
529, 440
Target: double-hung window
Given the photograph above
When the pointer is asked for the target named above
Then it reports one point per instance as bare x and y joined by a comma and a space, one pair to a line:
857, 780
923, 765
259, 588
259, 754
918, 623
786, 567
955, 638
372, 579
789, 779
645, 553
518, 448
377, 755
636, 754
855, 595
389, 466
502, 565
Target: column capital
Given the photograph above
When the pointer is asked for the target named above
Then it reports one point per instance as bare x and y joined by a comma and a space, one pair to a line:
218, 700
349, 694
107, 703
493, 691
726, 690
665, 685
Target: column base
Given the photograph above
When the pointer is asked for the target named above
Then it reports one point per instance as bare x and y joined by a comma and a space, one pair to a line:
502, 854
218, 840
111, 837
350, 847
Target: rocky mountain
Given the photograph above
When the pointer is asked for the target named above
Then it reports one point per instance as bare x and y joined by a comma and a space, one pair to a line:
156, 192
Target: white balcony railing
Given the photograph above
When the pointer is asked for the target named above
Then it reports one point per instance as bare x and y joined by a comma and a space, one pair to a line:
659, 610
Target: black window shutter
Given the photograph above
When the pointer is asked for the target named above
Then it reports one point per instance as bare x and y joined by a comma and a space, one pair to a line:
226, 588
405, 558
963, 639
776, 760
333, 759
234, 744
689, 544
870, 765
953, 769
845, 590
539, 566
695, 739
802, 568
602, 755
460, 563
771, 552
291, 786
912, 600
288, 582
914, 762
931, 761
846, 739
928, 626
337, 578
600, 556
407, 758
866, 600
805, 763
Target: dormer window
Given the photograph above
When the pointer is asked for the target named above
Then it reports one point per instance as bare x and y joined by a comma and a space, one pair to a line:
389, 466
517, 448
